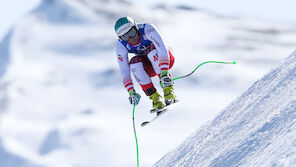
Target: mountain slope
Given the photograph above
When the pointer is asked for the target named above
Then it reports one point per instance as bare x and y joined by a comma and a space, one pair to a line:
257, 129
4, 53
8, 159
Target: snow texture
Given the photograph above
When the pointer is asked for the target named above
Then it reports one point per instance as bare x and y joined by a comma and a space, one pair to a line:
257, 129
8, 159
4, 53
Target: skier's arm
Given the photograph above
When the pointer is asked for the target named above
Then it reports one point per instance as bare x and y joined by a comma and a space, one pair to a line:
122, 58
153, 35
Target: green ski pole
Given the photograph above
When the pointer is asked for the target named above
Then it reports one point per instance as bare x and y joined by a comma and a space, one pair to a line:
221, 62
136, 136
173, 80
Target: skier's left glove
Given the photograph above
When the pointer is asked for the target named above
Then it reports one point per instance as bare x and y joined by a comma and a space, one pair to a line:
165, 79
134, 97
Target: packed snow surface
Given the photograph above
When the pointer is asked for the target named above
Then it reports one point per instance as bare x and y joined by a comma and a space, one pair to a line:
257, 129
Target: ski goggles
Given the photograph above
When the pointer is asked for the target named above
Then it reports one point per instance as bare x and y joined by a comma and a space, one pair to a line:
130, 34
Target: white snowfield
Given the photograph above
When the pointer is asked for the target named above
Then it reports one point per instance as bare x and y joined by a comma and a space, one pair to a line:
258, 129
62, 101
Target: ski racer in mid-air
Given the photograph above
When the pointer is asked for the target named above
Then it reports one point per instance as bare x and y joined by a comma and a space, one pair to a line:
152, 58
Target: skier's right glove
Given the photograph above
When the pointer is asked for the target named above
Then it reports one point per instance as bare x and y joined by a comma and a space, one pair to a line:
134, 97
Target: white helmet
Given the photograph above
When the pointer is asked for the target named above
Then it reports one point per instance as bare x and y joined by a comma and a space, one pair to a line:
123, 25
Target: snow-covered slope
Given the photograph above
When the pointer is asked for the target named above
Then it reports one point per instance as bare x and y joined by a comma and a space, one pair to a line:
61, 94
257, 129
4, 52
8, 159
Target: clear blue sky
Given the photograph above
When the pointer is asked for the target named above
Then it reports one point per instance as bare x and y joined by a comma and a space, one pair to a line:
276, 10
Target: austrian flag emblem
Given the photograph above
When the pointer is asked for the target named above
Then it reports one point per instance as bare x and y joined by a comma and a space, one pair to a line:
120, 57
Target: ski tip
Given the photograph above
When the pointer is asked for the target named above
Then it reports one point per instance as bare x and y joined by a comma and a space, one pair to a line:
145, 123
153, 111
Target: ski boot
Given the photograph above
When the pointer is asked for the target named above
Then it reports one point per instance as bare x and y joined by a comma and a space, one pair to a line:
156, 102
169, 95
167, 85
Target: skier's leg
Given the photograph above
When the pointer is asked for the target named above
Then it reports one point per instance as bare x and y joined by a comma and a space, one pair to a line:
172, 58
142, 78
154, 59
169, 94
137, 67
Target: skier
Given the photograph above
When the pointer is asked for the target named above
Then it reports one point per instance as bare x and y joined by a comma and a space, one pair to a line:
151, 58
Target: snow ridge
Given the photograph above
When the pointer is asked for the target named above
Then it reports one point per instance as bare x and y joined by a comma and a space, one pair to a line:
64, 11
255, 130
4, 53
8, 159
